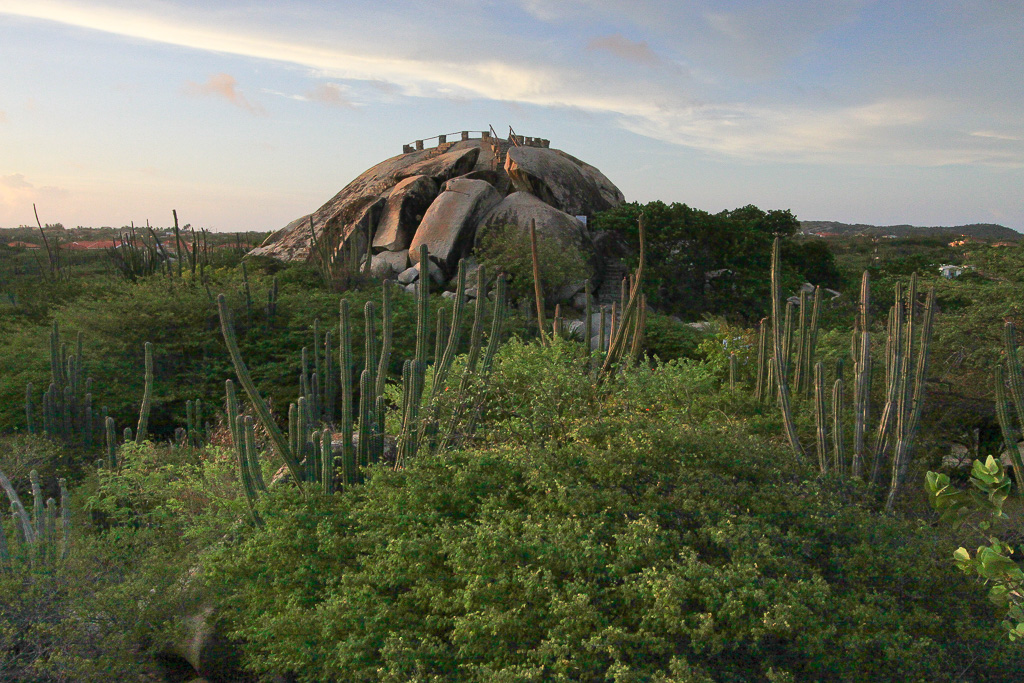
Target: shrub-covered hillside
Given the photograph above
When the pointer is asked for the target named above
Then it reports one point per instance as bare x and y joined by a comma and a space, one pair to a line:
504, 504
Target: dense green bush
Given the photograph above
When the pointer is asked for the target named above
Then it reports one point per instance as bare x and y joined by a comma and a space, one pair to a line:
702, 263
507, 249
632, 540
668, 339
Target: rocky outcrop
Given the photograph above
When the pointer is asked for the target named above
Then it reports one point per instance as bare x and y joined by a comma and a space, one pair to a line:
556, 180
444, 166
444, 196
449, 225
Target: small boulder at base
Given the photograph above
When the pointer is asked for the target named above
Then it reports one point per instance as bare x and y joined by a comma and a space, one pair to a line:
449, 225
387, 264
409, 276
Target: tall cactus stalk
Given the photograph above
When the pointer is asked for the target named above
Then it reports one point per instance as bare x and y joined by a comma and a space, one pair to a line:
111, 442
475, 343
787, 340
345, 369
422, 309
762, 358
617, 345
636, 345
365, 419
242, 453
821, 427
861, 376
45, 534
588, 321
778, 356
809, 341
387, 337
538, 293
147, 397
838, 452
912, 403
326, 463
278, 439
370, 353
800, 376
1016, 381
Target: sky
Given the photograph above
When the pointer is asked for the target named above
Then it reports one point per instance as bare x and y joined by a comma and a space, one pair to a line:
244, 116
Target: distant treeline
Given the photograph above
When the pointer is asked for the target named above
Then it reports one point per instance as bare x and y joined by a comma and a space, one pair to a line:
983, 231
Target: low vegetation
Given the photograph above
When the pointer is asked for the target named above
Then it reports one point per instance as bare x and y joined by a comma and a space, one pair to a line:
508, 511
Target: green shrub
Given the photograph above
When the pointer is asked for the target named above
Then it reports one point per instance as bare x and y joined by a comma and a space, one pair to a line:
625, 539
667, 339
507, 249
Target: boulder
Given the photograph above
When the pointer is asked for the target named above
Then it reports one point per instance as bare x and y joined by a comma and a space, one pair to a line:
387, 264
412, 275
520, 208
437, 275
579, 300
497, 178
605, 187
444, 166
449, 225
556, 180
403, 211
409, 276
566, 293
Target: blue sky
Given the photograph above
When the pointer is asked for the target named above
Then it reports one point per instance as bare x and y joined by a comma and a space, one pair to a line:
247, 115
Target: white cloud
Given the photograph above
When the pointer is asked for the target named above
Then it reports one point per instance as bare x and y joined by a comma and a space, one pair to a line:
624, 48
225, 87
331, 94
17, 193
711, 113
996, 136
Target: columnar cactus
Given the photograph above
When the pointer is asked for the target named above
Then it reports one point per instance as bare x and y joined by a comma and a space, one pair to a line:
278, 439
345, 368
387, 340
111, 442
422, 308
147, 397
838, 452
588, 313
862, 368
912, 391
45, 536
1016, 380
779, 354
631, 313
538, 293
821, 428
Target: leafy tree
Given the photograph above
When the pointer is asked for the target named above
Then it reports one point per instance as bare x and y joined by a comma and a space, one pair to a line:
703, 263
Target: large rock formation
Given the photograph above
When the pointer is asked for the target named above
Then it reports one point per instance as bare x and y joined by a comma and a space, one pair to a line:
444, 196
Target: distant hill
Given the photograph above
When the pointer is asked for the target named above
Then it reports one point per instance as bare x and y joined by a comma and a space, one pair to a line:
984, 231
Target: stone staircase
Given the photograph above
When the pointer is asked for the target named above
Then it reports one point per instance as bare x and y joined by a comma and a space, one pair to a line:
610, 290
